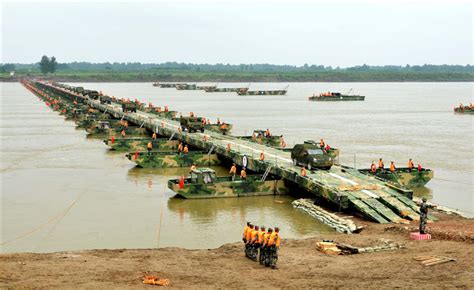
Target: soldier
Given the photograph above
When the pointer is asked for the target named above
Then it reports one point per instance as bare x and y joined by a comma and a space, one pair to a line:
180, 148
149, 147
261, 235
248, 239
410, 165
424, 215
392, 167
262, 156
153, 136
381, 164
233, 171
373, 168
321, 144
122, 134
303, 171
193, 167
243, 174
254, 243
265, 247
419, 168
185, 149
244, 235
274, 246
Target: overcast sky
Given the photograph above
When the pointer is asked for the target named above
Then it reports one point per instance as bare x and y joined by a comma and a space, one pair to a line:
337, 33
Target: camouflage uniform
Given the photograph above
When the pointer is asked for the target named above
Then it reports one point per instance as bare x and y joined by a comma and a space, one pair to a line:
423, 216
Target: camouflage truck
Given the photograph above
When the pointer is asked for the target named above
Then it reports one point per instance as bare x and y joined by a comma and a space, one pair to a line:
158, 159
191, 124
310, 156
140, 143
129, 107
333, 152
105, 100
403, 176
203, 183
91, 94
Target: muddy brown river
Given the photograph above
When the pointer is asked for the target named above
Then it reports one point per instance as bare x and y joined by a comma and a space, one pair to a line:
63, 191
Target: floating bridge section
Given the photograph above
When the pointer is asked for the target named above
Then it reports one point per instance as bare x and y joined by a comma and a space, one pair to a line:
341, 185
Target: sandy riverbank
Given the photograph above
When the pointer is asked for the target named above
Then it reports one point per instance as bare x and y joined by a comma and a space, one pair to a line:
300, 264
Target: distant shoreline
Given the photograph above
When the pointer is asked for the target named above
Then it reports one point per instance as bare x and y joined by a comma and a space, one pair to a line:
112, 79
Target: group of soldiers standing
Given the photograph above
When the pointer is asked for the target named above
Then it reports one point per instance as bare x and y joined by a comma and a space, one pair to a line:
262, 245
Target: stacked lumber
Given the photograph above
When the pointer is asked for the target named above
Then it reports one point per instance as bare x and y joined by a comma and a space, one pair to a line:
433, 260
329, 248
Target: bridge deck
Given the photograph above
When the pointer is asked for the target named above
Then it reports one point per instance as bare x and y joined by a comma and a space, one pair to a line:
344, 186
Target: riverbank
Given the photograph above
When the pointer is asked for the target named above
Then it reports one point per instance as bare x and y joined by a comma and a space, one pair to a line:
300, 264
245, 77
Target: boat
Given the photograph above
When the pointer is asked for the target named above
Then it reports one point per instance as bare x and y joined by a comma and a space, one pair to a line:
165, 159
166, 85
403, 176
186, 87
130, 144
203, 183
464, 109
260, 137
334, 96
215, 89
248, 92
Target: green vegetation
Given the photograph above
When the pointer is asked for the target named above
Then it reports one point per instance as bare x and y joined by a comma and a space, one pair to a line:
172, 71
47, 65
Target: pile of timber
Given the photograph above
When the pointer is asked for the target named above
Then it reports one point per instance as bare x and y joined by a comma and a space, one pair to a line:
433, 260
334, 248
339, 224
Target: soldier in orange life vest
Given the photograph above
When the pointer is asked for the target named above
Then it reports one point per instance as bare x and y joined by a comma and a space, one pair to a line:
153, 136
392, 167
321, 144
233, 171
185, 149
274, 246
248, 238
261, 234
149, 147
243, 174
180, 147
373, 168
244, 235
303, 171
410, 165
254, 243
262, 156
265, 247
381, 164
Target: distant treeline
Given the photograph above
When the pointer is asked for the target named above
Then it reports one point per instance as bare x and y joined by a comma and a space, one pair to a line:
173, 71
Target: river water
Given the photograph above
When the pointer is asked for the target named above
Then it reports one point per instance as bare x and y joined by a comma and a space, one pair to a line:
63, 191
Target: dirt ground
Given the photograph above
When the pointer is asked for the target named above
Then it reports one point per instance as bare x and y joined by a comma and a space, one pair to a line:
300, 264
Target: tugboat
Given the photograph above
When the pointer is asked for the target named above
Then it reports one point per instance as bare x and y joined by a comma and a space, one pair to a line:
461, 109
247, 92
203, 183
333, 96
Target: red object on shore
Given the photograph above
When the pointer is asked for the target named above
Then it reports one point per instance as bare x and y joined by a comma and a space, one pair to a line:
181, 182
419, 237
136, 155
113, 139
